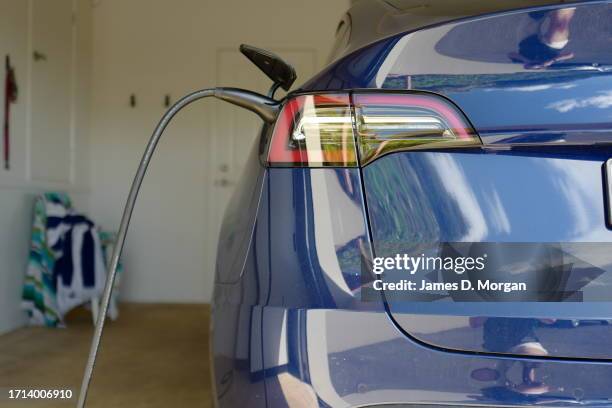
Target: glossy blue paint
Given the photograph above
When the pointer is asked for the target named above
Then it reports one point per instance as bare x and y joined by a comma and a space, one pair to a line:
499, 62
444, 197
290, 327
237, 298
296, 322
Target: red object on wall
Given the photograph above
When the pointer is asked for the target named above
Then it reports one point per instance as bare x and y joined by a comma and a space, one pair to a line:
10, 96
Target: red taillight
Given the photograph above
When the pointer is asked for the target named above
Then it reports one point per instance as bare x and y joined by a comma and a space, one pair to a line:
314, 131
394, 122
324, 130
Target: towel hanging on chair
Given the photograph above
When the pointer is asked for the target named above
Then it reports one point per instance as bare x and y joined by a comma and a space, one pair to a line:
66, 267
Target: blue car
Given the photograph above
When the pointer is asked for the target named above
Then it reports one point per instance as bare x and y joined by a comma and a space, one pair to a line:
427, 222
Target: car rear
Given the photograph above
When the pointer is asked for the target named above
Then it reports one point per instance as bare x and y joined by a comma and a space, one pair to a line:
484, 136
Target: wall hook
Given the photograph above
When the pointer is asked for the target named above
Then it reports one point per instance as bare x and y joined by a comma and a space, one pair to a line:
39, 56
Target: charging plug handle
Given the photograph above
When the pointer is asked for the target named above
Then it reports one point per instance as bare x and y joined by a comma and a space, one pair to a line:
265, 107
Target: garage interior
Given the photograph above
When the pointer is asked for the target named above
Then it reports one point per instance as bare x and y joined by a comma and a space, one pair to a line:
93, 77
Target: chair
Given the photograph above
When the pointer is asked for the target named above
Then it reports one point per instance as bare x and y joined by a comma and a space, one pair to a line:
40, 285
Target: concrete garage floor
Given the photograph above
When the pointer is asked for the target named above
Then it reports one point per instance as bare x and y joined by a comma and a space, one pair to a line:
152, 356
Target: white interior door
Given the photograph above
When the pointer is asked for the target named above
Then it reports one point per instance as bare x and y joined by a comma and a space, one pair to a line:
50, 101
235, 129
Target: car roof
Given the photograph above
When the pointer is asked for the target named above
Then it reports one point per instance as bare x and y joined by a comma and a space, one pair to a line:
373, 20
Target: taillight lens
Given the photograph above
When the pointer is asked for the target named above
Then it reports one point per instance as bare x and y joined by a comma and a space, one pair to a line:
314, 131
322, 130
394, 122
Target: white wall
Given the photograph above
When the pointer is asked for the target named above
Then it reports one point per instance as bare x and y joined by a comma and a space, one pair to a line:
154, 47
17, 186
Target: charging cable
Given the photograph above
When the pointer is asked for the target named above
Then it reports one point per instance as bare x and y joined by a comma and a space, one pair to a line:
265, 107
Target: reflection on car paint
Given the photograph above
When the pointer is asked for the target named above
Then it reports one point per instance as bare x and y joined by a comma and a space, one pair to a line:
293, 328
